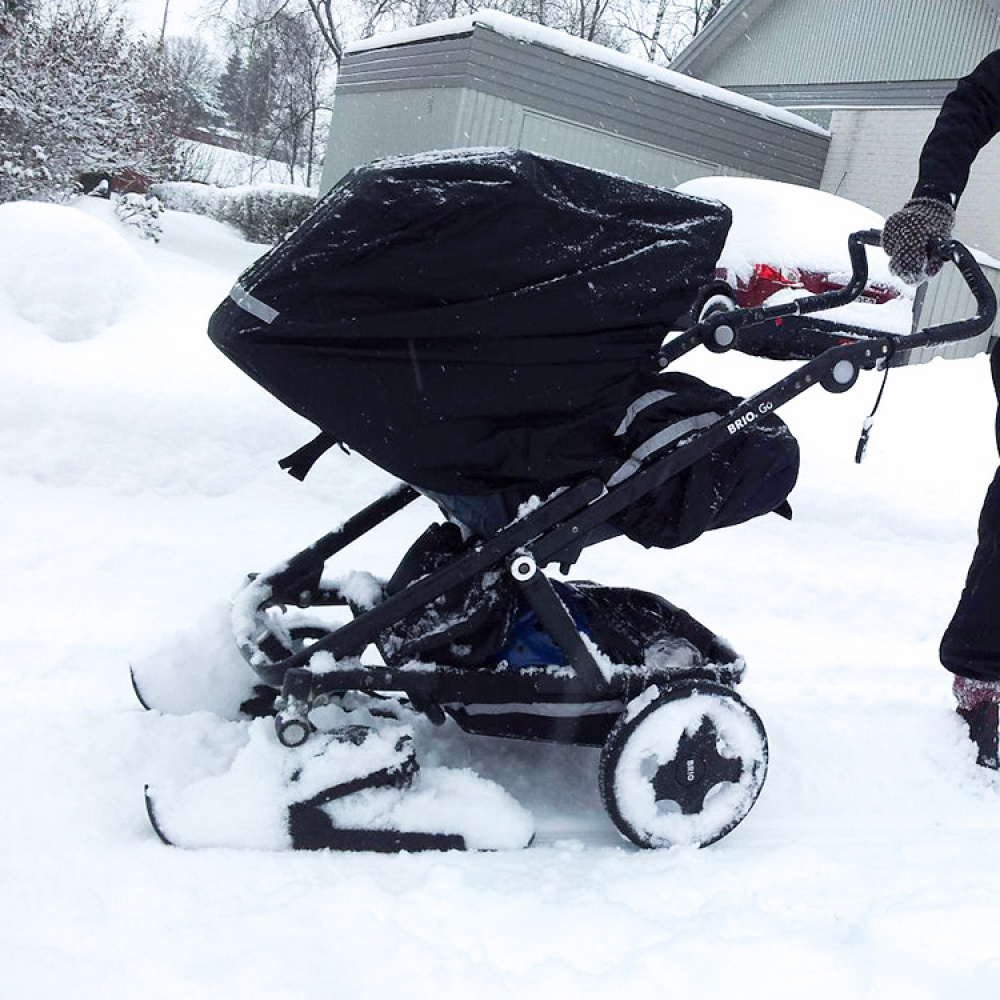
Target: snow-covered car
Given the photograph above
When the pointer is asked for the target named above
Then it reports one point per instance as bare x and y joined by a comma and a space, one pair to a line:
789, 241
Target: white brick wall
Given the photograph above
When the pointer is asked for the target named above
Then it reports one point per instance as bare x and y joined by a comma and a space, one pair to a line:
873, 161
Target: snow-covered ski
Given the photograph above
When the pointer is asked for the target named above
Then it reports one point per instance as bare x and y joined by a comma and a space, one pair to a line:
355, 788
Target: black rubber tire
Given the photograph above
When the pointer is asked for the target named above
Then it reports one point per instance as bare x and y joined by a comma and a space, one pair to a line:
684, 765
718, 296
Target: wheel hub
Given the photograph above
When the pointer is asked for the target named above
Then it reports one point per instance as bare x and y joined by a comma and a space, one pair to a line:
697, 768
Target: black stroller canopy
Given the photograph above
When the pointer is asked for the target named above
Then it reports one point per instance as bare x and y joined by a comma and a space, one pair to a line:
473, 321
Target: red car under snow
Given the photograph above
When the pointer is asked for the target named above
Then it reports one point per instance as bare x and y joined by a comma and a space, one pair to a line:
787, 241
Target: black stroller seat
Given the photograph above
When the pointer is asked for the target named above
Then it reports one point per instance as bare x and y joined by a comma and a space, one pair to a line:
488, 625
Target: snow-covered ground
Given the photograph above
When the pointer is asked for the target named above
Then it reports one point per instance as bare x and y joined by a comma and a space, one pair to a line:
140, 485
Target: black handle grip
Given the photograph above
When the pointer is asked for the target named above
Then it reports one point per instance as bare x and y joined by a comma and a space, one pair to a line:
982, 292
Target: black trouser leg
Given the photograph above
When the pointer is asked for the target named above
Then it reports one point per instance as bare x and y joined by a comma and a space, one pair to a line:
971, 643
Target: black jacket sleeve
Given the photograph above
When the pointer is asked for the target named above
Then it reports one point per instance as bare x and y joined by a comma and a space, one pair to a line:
969, 118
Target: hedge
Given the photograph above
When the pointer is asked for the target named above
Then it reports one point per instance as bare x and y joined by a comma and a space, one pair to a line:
263, 213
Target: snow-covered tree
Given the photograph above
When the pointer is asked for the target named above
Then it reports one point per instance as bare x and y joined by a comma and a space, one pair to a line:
78, 94
11, 10
659, 29
302, 62
193, 72
277, 81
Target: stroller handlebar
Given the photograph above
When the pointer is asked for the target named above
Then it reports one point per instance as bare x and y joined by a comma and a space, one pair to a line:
982, 292
720, 332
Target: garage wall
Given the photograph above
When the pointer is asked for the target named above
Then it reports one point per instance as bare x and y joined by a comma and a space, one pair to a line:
505, 90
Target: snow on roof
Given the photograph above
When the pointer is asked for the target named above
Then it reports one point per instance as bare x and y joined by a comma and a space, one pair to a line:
527, 31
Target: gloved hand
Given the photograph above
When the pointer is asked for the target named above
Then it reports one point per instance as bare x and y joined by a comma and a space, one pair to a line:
908, 234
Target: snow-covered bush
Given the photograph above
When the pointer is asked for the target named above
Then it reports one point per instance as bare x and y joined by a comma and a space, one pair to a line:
78, 94
263, 213
142, 213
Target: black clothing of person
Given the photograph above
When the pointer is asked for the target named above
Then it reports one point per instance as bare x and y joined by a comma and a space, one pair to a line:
969, 119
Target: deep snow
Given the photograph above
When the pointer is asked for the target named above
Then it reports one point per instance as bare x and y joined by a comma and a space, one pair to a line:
140, 485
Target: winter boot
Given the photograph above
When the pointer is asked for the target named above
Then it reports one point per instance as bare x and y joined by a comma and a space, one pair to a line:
979, 706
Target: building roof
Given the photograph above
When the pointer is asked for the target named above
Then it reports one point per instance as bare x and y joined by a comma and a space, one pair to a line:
720, 30
527, 31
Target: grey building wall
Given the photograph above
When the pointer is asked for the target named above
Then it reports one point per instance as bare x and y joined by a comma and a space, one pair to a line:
873, 155
873, 160
366, 125
946, 299
488, 88
641, 161
809, 41
413, 121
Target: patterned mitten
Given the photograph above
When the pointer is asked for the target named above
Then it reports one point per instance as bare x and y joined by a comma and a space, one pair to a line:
909, 234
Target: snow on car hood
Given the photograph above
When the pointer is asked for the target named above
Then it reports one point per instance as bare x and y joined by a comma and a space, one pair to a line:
791, 226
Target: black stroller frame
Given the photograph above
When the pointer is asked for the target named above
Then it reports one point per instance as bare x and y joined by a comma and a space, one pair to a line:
294, 662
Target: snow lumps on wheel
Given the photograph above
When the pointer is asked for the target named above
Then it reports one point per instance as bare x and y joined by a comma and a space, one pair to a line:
683, 766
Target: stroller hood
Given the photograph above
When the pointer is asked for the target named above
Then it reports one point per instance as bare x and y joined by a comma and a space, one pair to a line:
473, 321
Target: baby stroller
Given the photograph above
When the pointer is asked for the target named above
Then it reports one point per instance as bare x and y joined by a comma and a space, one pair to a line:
489, 327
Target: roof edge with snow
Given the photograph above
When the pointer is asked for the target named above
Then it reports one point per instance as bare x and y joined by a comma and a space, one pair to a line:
527, 31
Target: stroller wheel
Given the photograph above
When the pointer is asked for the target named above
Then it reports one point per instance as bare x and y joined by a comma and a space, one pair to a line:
683, 765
